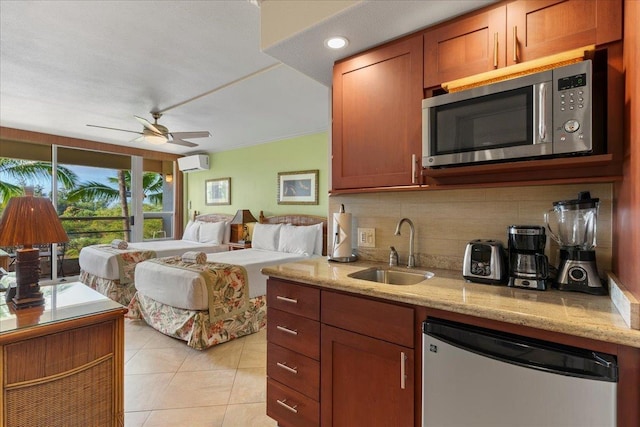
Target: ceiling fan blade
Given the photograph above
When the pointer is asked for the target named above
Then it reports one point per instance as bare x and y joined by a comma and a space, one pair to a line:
190, 135
147, 124
122, 130
138, 139
184, 143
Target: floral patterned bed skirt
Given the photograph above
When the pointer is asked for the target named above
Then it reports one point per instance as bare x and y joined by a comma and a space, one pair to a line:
193, 326
110, 288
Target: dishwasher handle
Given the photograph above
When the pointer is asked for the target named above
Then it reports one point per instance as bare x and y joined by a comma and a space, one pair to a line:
523, 351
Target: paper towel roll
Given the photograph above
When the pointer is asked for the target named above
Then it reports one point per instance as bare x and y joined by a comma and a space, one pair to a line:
342, 235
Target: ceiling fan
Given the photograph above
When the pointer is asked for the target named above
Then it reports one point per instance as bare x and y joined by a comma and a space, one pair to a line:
155, 133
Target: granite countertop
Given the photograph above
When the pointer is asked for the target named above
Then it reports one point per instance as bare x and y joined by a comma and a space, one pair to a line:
583, 315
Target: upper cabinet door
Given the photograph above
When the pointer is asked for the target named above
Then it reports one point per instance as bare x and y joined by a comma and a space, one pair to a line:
537, 28
467, 46
377, 106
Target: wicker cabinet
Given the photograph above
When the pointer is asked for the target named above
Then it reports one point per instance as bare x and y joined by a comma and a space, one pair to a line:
63, 364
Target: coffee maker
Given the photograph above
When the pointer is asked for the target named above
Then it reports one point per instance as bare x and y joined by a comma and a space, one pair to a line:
575, 222
528, 265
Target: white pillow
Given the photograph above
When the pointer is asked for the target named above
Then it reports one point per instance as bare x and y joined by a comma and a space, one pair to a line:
319, 238
191, 231
297, 240
227, 232
212, 232
266, 236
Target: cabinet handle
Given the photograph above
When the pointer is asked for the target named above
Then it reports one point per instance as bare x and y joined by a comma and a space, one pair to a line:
414, 169
285, 299
403, 376
515, 43
495, 50
287, 368
287, 330
283, 402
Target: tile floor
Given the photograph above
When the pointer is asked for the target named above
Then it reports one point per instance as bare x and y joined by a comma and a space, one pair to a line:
169, 384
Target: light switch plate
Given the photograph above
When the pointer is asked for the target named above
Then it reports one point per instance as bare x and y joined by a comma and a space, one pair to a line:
366, 237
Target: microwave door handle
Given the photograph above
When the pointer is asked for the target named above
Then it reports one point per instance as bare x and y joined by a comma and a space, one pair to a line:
544, 113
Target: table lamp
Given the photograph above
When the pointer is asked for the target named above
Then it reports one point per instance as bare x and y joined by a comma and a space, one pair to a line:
28, 221
242, 217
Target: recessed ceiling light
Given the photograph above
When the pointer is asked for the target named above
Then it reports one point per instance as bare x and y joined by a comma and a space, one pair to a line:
337, 42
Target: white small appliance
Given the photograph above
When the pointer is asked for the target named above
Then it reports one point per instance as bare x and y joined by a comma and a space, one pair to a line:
197, 162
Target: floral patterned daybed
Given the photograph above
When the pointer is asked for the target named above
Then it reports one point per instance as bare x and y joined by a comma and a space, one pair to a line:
215, 307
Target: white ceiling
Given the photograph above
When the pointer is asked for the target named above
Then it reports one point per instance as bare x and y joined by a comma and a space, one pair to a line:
66, 64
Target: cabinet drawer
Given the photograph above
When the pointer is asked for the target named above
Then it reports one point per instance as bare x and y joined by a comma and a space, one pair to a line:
294, 370
300, 300
296, 333
386, 321
291, 408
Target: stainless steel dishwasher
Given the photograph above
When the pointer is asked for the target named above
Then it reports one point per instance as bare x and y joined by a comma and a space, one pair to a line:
478, 377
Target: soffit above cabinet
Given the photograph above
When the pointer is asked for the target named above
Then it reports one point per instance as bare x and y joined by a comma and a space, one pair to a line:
364, 23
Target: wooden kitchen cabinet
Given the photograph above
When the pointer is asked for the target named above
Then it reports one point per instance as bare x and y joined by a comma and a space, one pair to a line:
338, 360
367, 362
538, 28
293, 354
361, 381
467, 46
516, 32
377, 103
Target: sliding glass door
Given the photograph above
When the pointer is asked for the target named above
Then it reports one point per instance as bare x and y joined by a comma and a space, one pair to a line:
98, 196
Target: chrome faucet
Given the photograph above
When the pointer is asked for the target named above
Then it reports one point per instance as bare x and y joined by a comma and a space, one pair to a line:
412, 260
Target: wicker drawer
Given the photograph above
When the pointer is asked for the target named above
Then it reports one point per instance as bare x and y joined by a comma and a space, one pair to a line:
301, 300
296, 333
290, 408
299, 372
377, 319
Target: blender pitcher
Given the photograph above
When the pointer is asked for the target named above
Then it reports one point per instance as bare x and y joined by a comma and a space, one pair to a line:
574, 222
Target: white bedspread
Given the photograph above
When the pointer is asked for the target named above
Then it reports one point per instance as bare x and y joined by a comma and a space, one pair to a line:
105, 265
187, 290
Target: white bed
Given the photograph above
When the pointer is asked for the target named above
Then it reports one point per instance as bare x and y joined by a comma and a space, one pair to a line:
176, 297
111, 271
188, 289
97, 260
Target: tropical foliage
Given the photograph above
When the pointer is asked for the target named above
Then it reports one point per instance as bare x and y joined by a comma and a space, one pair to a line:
27, 171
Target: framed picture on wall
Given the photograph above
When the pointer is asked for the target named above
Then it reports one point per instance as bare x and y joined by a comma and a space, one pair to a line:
217, 191
298, 188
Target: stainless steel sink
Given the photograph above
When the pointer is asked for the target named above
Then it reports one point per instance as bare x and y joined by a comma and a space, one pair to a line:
392, 277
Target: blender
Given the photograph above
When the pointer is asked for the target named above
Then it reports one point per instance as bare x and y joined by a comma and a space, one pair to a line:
575, 224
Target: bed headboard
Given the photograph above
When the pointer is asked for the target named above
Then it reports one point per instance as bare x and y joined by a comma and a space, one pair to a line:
212, 217
294, 219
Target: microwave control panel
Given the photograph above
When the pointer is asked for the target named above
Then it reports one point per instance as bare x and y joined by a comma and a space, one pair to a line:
572, 109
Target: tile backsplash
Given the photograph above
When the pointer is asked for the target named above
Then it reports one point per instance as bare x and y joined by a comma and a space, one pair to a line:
446, 220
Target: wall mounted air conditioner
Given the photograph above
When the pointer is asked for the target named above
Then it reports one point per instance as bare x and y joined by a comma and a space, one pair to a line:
198, 162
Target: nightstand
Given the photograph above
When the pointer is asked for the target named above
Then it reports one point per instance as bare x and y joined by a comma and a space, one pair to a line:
234, 246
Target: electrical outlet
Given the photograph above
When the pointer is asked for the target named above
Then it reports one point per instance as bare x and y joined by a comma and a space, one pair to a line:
366, 237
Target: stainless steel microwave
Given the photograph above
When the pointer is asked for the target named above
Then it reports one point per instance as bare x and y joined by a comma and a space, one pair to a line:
543, 114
